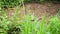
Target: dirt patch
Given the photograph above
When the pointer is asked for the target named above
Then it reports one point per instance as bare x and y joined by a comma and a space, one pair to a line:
36, 9
47, 9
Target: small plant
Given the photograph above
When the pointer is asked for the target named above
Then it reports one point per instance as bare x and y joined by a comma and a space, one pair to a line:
42, 0
53, 26
3, 25
55, 1
10, 3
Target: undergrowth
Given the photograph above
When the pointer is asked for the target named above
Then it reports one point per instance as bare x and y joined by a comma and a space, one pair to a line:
28, 25
14, 3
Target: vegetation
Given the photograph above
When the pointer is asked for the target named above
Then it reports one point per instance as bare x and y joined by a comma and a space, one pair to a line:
13, 3
29, 25
55, 1
10, 3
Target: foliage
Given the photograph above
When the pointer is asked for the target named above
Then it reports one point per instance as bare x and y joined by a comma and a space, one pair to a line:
54, 26
10, 3
41, 1
55, 1
28, 25
13, 3
3, 24
8, 26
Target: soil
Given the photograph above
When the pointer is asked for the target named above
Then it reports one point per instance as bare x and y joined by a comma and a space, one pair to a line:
38, 10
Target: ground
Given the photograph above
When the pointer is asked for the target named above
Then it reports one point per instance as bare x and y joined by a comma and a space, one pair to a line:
36, 9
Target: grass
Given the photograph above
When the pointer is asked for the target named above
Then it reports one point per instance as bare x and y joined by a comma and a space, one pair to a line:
39, 27
53, 26
28, 25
